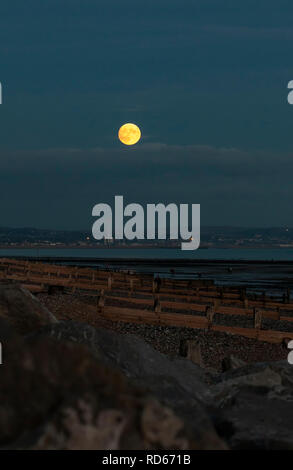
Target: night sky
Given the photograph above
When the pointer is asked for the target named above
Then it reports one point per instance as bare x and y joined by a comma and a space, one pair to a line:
205, 80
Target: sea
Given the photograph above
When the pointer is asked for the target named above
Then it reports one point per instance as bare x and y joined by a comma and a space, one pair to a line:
266, 270
226, 254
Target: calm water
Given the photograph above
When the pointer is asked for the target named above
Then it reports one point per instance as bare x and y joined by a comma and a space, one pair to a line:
274, 278
281, 254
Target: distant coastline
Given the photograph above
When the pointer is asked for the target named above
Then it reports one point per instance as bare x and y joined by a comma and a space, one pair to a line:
211, 238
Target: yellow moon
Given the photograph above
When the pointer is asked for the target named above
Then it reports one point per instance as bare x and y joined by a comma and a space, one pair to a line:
129, 134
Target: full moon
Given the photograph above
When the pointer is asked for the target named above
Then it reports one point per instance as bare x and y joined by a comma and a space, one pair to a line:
129, 134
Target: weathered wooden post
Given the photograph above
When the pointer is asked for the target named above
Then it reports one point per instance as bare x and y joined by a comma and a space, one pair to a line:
110, 282
191, 349
285, 342
156, 284
257, 318
288, 295
264, 299
245, 302
131, 281
101, 301
27, 272
157, 305
210, 312
243, 293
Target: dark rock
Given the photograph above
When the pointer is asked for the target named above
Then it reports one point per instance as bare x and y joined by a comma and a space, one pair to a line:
191, 411
131, 354
232, 362
22, 310
57, 395
177, 383
191, 349
75, 332
255, 406
71, 386
251, 405
256, 421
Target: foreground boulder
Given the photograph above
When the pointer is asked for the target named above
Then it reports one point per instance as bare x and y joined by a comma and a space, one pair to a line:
251, 406
22, 310
131, 354
58, 395
71, 386
255, 406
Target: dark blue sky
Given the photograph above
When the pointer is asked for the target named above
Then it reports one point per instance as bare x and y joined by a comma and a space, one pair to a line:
206, 80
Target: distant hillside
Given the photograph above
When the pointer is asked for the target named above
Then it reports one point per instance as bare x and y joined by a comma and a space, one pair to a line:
210, 236
33, 235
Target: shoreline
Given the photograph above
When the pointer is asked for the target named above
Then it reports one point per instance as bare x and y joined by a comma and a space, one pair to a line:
256, 275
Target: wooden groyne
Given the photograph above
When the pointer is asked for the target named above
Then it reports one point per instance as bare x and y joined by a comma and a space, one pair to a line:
126, 297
